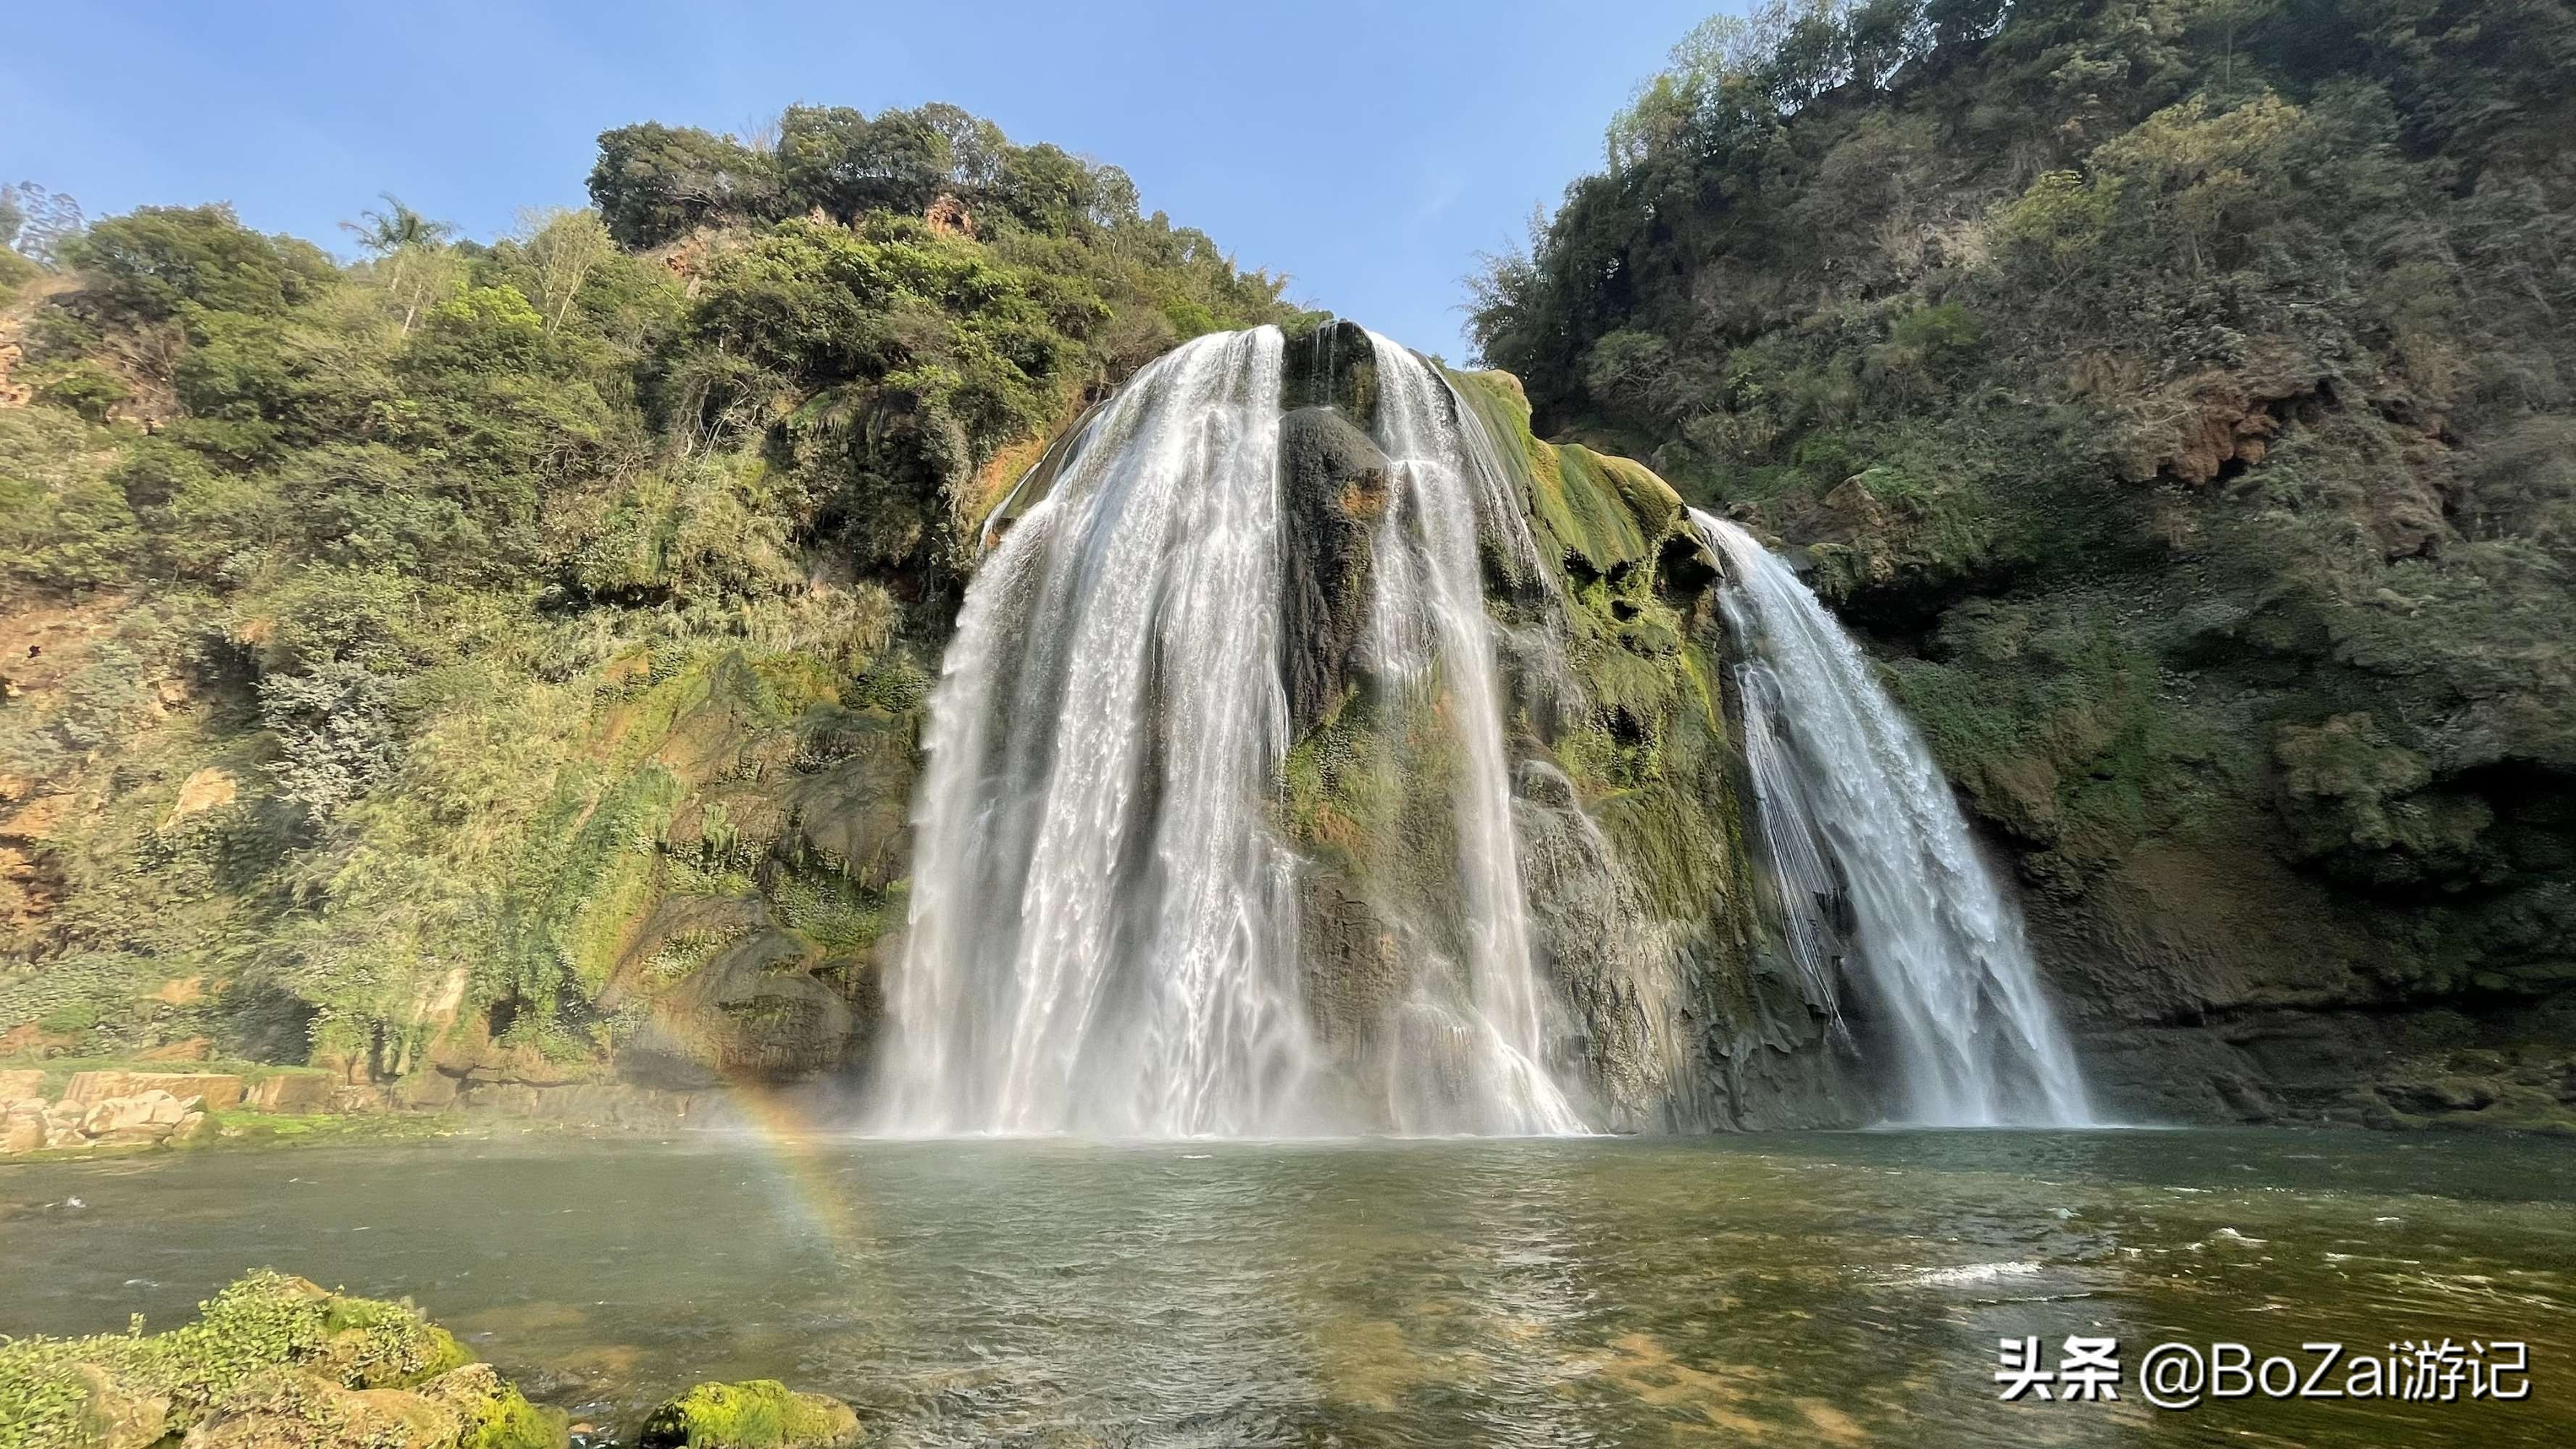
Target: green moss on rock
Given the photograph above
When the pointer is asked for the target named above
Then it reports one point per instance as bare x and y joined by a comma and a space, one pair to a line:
754, 1414
271, 1360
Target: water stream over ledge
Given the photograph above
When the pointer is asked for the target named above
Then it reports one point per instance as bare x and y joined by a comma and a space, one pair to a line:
1103, 923
1792, 1288
1880, 879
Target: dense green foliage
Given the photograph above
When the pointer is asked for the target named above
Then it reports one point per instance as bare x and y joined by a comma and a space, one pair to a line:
471, 633
2185, 392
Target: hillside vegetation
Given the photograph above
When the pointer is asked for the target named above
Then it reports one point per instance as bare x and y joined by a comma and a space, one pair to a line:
2183, 394
525, 638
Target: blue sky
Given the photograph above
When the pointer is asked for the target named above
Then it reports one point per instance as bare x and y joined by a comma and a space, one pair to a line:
1368, 150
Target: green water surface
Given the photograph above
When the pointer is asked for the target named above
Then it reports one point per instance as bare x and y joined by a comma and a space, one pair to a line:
1797, 1289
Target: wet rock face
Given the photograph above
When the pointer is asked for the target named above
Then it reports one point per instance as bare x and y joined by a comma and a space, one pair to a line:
1614, 958
2287, 856
1625, 779
1333, 490
1333, 366
755, 1013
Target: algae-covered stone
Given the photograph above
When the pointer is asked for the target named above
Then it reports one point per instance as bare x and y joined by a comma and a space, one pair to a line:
754, 1414
118, 1415
269, 1362
491, 1413
466, 1408
288, 1408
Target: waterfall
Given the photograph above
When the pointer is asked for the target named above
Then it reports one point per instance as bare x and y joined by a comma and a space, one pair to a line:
1872, 854
1430, 632
1101, 935
1103, 930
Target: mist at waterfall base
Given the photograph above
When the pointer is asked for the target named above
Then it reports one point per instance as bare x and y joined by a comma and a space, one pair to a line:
1104, 917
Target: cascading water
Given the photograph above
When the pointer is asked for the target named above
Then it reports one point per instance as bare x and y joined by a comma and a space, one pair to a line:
1430, 632
1101, 935
1103, 931
1869, 847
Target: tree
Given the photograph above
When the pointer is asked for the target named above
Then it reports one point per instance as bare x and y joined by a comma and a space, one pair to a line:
1047, 188
834, 158
975, 147
147, 265
563, 247
655, 184
400, 232
391, 232
45, 221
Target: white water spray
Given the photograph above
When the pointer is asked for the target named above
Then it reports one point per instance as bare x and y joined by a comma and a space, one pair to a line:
1102, 938
1430, 632
1103, 921
1858, 822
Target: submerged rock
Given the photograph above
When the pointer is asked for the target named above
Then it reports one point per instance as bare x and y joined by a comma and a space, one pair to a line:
754, 1414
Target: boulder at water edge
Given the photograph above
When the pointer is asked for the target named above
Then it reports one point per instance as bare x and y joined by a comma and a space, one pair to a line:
753, 1414
270, 1362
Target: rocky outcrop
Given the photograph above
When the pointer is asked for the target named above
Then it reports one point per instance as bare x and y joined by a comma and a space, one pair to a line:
291, 1092
271, 1362
217, 1091
149, 1118
466, 1408
1333, 489
2290, 795
756, 1012
1626, 779
754, 1414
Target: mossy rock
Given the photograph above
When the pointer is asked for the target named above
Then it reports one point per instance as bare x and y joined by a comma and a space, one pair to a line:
753, 1414
1333, 482
1603, 513
284, 1408
753, 1011
270, 1360
1335, 365
468, 1408
491, 1412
